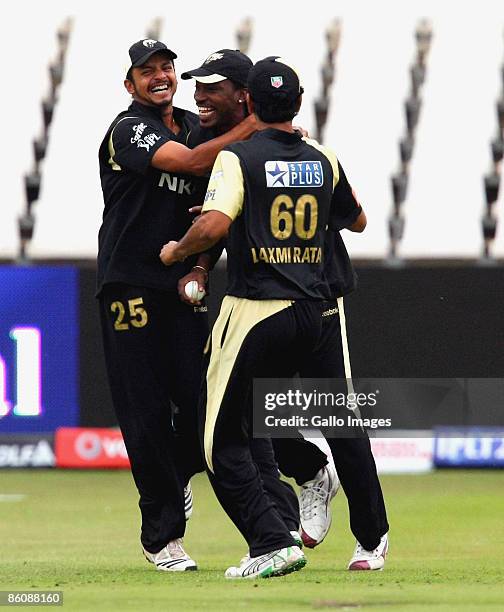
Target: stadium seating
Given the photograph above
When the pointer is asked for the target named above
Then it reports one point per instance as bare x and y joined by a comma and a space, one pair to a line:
445, 197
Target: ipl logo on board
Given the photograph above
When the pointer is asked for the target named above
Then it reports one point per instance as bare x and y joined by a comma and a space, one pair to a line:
294, 174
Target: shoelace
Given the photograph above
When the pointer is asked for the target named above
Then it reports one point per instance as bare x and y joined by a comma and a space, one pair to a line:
311, 498
175, 549
359, 550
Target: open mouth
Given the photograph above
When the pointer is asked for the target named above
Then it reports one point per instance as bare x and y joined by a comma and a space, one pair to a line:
206, 112
160, 88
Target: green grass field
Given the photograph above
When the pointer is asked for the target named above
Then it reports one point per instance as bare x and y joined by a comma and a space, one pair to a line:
78, 532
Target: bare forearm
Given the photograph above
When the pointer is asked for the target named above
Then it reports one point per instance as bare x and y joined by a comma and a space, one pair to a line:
175, 157
204, 233
196, 240
204, 155
204, 261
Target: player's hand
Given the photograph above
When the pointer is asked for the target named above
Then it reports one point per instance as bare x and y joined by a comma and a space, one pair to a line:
301, 130
167, 255
250, 122
194, 275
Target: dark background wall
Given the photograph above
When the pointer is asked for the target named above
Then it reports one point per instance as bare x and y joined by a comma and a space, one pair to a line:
442, 320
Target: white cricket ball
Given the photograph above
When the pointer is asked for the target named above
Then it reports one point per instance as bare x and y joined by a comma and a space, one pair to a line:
193, 292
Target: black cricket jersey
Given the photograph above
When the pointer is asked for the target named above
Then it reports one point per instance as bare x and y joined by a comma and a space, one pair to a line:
144, 207
284, 193
198, 135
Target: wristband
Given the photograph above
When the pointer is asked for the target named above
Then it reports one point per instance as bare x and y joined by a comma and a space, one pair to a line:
200, 268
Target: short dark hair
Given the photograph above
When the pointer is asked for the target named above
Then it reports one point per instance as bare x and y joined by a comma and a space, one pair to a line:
277, 112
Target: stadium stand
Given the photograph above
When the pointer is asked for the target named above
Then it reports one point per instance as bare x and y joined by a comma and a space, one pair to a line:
328, 75
33, 178
412, 107
492, 179
364, 124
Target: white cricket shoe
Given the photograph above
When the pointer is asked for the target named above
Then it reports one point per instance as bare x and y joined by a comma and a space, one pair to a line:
295, 536
171, 558
275, 563
369, 559
314, 505
188, 501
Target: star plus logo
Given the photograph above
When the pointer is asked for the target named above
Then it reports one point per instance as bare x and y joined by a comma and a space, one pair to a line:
276, 176
294, 173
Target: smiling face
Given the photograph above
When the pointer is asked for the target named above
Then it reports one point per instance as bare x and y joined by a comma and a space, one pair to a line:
221, 105
154, 83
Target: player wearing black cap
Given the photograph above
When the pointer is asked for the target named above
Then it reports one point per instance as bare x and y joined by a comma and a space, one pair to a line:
270, 320
152, 341
219, 93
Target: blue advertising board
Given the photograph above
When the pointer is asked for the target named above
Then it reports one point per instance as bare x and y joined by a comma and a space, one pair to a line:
39, 337
471, 447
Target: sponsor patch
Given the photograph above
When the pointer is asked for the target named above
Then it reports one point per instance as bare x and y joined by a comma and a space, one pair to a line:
210, 195
294, 174
330, 312
143, 143
138, 131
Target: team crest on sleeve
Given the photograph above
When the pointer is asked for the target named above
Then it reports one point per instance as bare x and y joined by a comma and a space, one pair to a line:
294, 174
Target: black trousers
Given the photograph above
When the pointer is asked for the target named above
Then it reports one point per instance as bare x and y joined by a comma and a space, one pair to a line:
250, 339
280, 492
294, 338
153, 348
352, 456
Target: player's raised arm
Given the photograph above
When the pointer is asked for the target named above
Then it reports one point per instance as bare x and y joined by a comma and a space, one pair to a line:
175, 157
223, 203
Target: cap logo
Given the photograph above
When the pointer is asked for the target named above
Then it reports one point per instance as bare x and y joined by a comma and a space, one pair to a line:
213, 57
149, 43
276, 81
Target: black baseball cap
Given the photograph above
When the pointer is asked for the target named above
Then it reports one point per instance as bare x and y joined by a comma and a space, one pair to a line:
221, 65
272, 79
143, 49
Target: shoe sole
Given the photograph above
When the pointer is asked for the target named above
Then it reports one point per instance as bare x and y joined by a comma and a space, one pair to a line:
193, 568
294, 567
358, 566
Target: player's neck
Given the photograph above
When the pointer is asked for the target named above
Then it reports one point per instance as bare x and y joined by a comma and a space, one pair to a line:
228, 122
284, 126
168, 120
